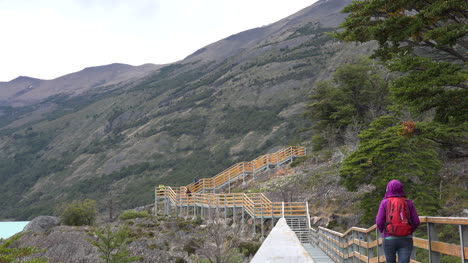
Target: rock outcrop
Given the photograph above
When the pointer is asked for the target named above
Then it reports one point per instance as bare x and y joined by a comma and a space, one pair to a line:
41, 224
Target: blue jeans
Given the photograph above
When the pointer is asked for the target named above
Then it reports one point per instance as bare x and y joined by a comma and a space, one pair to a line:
401, 246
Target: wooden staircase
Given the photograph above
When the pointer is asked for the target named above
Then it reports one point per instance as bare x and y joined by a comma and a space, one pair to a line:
204, 197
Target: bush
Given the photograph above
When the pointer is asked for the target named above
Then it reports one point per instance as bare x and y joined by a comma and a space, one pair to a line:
113, 244
79, 213
191, 246
249, 248
10, 253
131, 214
198, 221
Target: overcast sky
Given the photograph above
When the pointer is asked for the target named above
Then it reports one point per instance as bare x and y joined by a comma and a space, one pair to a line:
50, 38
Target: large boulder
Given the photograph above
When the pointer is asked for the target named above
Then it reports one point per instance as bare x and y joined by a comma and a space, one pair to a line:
41, 224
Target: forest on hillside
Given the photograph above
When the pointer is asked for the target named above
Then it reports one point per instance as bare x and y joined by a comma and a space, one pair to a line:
406, 111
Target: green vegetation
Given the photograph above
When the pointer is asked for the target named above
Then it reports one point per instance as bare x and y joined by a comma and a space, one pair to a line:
9, 253
113, 245
249, 248
425, 42
355, 95
78, 213
385, 152
435, 78
243, 120
131, 214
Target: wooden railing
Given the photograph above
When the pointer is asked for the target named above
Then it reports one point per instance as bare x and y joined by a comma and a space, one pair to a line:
365, 245
240, 170
256, 204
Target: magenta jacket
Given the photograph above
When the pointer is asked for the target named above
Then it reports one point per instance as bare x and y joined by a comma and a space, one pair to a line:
394, 188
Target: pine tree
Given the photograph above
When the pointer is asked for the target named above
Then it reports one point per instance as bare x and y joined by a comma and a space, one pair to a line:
389, 150
356, 94
8, 253
113, 246
425, 39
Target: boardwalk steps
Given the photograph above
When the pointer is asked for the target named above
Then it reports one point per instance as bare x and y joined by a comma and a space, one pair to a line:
205, 202
325, 245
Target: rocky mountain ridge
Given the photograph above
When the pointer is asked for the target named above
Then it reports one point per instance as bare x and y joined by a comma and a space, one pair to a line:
23, 91
191, 118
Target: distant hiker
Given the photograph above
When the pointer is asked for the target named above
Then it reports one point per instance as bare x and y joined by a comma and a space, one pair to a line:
161, 189
397, 219
188, 192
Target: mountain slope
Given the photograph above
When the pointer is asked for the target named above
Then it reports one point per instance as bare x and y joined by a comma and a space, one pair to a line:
230, 101
26, 91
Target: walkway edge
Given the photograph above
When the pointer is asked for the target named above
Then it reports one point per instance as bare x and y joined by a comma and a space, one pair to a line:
282, 246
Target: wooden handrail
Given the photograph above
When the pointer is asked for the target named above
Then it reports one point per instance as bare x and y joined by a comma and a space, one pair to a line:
358, 242
243, 168
257, 204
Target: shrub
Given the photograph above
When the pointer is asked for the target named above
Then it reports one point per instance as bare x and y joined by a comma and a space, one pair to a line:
198, 221
249, 248
79, 213
191, 246
113, 245
131, 214
10, 253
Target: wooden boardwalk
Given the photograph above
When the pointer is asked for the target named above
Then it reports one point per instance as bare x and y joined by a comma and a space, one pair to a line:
317, 254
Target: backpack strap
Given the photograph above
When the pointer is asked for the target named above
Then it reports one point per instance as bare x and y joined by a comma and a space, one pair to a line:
388, 212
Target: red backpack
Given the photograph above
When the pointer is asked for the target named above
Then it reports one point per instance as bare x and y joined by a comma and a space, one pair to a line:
398, 222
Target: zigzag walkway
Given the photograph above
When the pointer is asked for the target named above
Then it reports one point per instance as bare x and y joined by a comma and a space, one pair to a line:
324, 245
203, 198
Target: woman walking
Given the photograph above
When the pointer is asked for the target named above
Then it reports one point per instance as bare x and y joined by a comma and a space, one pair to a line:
397, 219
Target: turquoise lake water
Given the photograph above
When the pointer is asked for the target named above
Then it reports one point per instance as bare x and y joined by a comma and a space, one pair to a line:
8, 229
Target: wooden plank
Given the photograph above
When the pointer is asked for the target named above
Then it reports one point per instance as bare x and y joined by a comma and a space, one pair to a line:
444, 220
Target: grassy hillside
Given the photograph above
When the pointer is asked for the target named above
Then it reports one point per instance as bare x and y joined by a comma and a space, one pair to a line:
192, 118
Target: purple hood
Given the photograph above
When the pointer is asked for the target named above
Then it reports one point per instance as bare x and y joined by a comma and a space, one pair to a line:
394, 188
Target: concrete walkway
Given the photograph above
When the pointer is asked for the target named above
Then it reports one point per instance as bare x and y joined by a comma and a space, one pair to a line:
282, 246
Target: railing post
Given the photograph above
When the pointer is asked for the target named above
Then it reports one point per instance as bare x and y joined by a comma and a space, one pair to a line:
261, 218
355, 247
413, 252
229, 181
342, 248
379, 245
165, 202
217, 208
194, 206
156, 201
188, 206
233, 211
291, 153
225, 210
272, 217
370, 252
253, 219
242, 219
434, 257
209, 211
202, 214
360, 239
282, 209
463, 229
